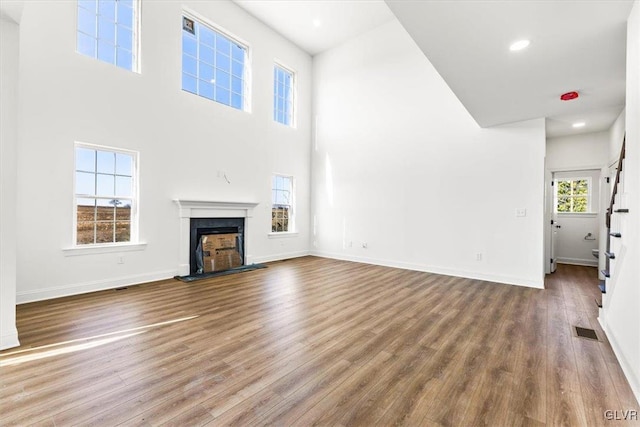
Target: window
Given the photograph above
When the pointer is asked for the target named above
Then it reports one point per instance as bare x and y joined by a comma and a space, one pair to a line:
283, 95
573, 195
213, 65
282, 204
105, 195
107, 30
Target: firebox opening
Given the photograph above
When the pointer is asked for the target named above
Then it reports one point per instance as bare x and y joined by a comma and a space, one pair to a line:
222, 246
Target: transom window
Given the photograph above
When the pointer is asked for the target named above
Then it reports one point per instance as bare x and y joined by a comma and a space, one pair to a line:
213, 64
282, 204
283, 81
105, 195
573, 195
107, 30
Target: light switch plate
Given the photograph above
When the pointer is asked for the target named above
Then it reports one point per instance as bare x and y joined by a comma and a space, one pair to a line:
521, 212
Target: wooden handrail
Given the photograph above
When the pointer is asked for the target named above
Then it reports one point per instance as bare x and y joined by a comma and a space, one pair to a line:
615, 184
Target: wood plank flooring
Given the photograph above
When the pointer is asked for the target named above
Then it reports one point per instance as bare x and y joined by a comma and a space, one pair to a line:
313, 341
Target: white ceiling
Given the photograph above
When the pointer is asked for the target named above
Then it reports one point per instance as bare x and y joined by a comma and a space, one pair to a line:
575, 45
318, 25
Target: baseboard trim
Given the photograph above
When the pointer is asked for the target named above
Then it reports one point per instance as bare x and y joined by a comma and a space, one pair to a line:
279, 257
9, 340
98, 285
508, 280
627, 368
578, 261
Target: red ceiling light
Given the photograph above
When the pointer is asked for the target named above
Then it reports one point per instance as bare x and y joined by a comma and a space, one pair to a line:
569, 96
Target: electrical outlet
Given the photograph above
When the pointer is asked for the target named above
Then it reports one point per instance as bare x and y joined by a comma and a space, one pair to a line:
120, 260
521, 212
479, 256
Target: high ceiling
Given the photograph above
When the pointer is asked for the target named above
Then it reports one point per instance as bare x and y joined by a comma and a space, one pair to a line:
576, 45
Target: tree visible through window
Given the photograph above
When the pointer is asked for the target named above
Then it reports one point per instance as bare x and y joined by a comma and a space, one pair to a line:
104, 195
107, 30
572, 195
282, 204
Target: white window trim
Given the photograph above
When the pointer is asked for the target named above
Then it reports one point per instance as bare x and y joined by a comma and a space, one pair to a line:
282, 234
589, 211
136, 63
294, 94
293, 230
191, 14
133, 243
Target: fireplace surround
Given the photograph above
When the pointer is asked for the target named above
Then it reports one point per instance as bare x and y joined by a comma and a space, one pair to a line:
210, 210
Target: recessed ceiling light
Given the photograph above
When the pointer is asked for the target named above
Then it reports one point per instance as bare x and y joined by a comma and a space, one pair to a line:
317, 23
578, 124
519, 45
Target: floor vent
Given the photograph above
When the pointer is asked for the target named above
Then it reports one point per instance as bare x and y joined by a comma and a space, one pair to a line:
122, 288
586, 333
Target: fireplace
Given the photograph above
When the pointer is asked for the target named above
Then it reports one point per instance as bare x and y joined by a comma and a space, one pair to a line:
210, 227
212, 217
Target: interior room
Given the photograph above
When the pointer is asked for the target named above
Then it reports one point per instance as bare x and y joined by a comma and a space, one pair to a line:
217, 247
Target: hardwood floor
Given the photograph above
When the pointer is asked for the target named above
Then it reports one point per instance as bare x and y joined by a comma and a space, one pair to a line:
313, 341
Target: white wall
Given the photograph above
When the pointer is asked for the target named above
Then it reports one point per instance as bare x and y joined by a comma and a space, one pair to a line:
616, 134
183, 141
621, 312
574, 153
400, 165
9, 54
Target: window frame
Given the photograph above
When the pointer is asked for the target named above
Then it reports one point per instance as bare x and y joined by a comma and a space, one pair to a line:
135, 195
232, 38
588, 196
291, 220
135, 45
292, 94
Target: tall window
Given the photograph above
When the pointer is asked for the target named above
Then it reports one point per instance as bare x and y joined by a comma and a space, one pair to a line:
282, 203
105, 195
283, 95
213, 64
108, 30
573, 195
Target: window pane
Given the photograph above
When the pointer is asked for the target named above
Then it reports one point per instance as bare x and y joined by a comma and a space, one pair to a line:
85, 210
189, 83
104, 232
125, 15
127, 3
223, 45
237, 69
581, 187
107, 9
580, 204
106, 162
123, 231
207, 54
106, 52
205, 72
86, 45
223, 96
206, 90
223, 62
123, 211
124, 59
105, 185
85, 159
236, 101
206, 36
90, 5
125, 38
189, 44
85, 183
274, 195
106, 210
223, 79
236, 85
124, 164
85, 233
189, 65
87, 22
123, 186
564, 204
237, 52
106, 31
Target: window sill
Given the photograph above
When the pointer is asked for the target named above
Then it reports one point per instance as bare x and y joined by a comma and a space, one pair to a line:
578, 214
103, 249
283, 234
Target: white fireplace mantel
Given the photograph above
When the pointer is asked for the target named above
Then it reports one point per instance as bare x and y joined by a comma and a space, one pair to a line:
188, 209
